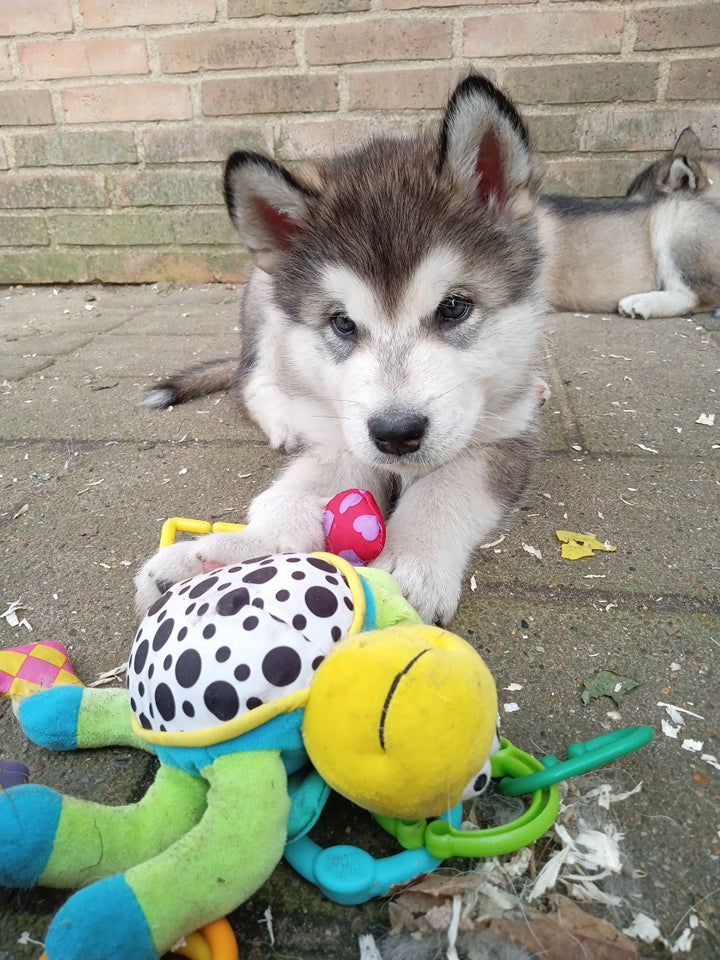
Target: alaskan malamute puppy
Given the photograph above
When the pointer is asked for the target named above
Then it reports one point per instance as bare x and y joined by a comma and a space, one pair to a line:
652, 253
391, 333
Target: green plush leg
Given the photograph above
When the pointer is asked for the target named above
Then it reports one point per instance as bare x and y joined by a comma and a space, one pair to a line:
93, 840
70, 717
226, 857
104, 720
391, 607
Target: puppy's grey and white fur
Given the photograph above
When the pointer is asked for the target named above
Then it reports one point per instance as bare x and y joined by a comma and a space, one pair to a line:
390, 337
652, 253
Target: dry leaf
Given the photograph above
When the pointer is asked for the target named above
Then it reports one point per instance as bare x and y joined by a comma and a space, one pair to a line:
567, 933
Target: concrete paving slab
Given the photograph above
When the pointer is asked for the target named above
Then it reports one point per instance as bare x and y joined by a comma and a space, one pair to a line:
90, 404
660, 515
87, 477
642, 385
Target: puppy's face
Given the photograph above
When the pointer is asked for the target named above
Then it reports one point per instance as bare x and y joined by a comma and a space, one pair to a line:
405, 277
416, 378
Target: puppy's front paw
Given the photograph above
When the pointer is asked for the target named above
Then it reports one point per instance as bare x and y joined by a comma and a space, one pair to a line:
431, 587
169, 565
182, 560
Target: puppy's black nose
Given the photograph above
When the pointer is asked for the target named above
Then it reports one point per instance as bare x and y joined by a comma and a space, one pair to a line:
398, 434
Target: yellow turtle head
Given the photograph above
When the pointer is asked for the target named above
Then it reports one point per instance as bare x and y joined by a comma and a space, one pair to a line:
399, 720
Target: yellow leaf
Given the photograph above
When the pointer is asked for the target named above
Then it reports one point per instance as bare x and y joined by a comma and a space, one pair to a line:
575, 546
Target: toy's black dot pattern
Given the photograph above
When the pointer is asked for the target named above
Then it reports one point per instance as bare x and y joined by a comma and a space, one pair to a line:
159, 604
188, 668
218, 645
230, 603
162, 634
165, 701
281, 666
200, 588
222, 700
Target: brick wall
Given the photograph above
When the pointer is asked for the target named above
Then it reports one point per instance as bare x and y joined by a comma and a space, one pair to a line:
116, 115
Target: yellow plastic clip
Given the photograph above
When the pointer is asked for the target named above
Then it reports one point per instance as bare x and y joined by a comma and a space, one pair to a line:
175, 525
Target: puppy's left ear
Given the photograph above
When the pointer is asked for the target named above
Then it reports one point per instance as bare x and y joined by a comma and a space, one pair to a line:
484, 146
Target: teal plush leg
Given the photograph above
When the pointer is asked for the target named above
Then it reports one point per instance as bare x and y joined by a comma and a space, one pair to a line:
61, 841
72, 717
202, 876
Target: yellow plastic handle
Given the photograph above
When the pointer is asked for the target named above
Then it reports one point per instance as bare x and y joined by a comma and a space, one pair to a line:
175, 525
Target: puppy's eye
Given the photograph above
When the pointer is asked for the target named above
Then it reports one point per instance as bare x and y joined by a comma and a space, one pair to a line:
343, 326
453, 309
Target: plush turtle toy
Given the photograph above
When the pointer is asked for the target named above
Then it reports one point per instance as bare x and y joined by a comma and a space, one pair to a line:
250, 683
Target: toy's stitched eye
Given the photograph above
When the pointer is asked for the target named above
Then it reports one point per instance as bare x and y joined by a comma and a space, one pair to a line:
343, 326
453, 309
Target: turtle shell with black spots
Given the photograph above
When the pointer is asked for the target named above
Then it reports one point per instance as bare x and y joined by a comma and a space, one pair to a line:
219, 645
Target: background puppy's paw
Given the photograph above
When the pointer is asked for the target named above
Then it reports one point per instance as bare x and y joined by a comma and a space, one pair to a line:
432, 587
636, 305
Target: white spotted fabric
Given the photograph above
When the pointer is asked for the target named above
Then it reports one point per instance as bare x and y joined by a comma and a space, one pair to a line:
220, 644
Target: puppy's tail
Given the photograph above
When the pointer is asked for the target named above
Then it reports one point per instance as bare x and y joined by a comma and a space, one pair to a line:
198, 381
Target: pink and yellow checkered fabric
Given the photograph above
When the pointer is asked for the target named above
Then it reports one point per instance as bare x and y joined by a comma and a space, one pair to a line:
33, 667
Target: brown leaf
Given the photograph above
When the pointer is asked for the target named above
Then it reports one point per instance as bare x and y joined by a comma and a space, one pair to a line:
566, 933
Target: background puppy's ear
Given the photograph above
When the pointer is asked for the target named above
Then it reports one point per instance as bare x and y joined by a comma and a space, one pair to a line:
688, 145
685, 171
484, 145
267, 205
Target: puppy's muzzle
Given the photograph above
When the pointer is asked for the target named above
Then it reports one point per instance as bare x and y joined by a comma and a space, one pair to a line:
397, 434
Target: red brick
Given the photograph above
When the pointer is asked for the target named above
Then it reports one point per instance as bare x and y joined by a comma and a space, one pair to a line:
23, 231
150, 266
415, 89
553, 133
566, 31
195, 144
21, 17
694, 80
43, 266
55, 59
602, 82
227, 49
293, 8
130, 13
665, 28
397, 38
317, 138
25, 108
185, 186
67, 148
39, 189
5, 66
273, 94
127, 101
595, 177
418, 4
651, 129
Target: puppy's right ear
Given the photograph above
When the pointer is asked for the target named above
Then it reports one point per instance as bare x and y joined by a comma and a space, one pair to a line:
267, 205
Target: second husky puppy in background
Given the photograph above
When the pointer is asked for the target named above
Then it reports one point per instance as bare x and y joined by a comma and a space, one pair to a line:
653, 253
390, 336
687, 167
